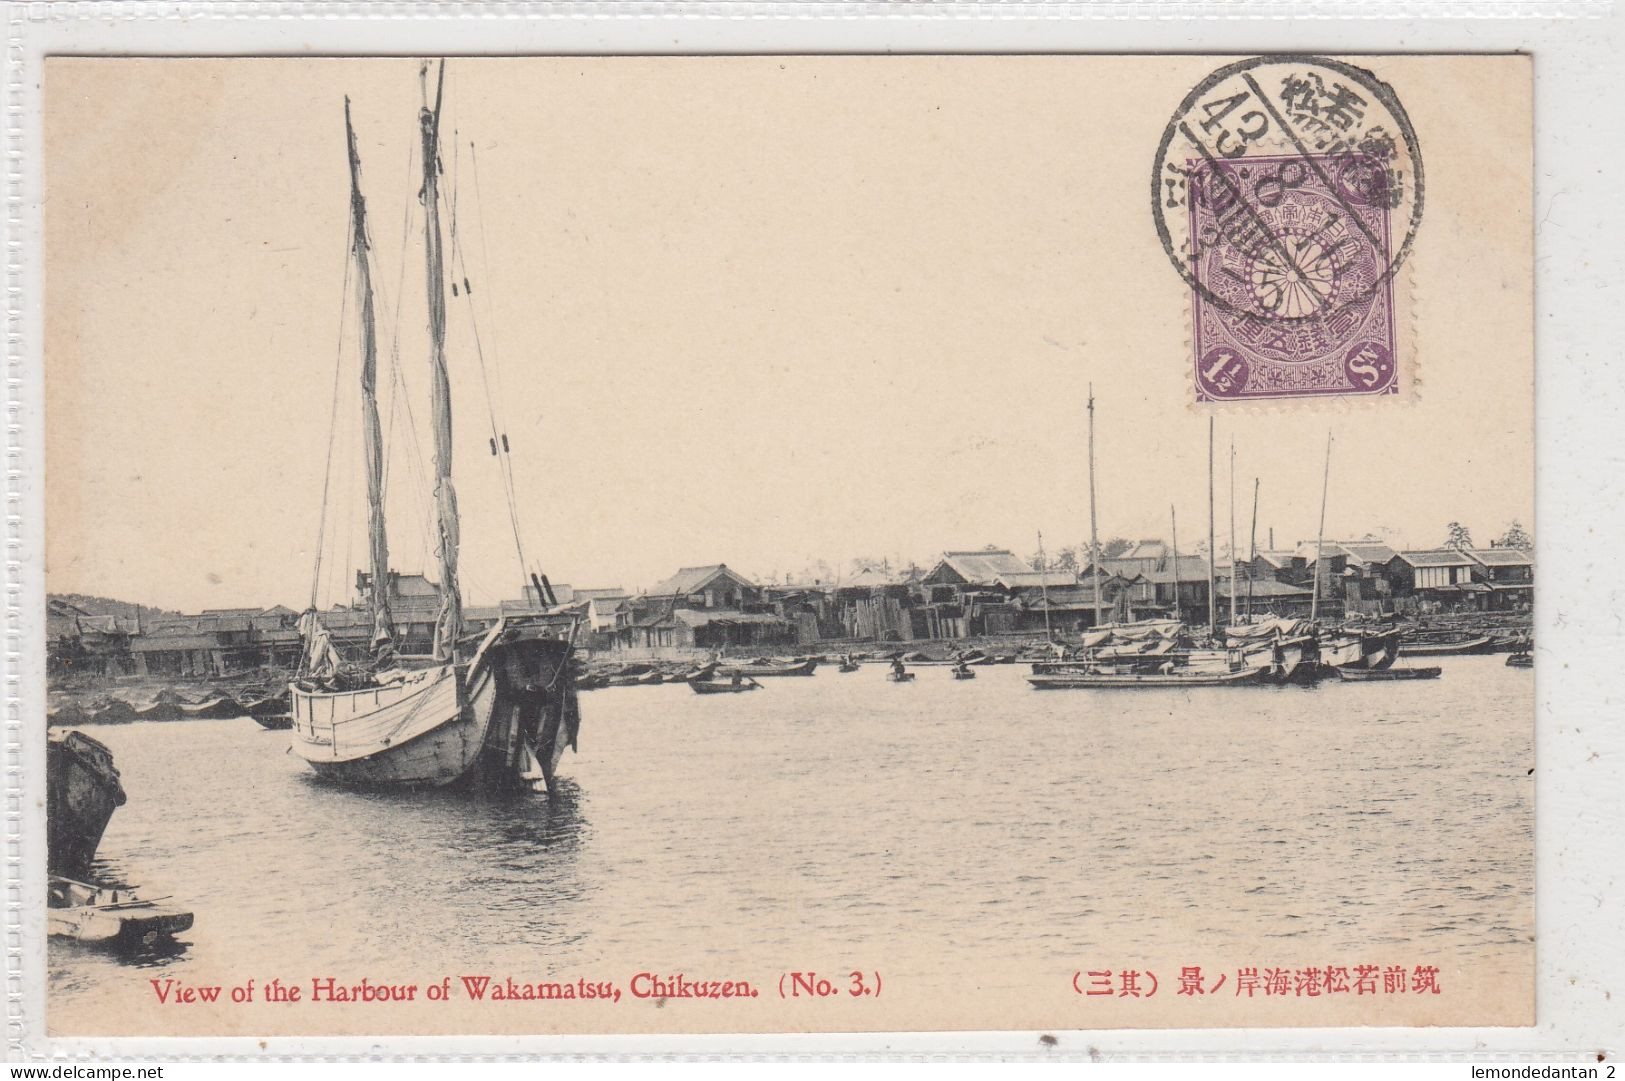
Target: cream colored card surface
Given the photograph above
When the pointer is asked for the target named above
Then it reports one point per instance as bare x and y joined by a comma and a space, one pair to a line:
873, 543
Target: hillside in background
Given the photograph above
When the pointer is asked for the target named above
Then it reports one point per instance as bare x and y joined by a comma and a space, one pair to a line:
106, 606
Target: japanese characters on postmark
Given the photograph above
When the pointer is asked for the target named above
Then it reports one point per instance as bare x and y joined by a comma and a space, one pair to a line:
1288, 192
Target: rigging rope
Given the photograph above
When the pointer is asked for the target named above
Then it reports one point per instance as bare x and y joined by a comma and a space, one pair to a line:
395, 330
400, 398
333, 418
496, 361
499, 439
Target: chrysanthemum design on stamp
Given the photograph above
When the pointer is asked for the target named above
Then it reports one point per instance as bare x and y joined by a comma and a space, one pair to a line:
1308, 309
1287, 193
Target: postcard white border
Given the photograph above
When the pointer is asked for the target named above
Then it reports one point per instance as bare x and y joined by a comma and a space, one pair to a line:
1580, 404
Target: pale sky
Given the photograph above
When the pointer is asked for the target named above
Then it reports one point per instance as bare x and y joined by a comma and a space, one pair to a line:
756, 311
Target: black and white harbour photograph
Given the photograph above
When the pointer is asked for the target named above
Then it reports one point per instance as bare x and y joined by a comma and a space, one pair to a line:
788, 544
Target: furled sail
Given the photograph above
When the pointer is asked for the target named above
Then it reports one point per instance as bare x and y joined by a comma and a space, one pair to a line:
448, 624
383, 624
320, 659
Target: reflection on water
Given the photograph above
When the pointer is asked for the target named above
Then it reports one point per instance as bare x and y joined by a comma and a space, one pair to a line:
949, 821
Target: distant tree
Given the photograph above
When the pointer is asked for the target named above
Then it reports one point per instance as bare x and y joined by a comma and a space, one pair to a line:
1114, 548
1459, 538
1067, 560
1515, 537
1037, 561
818, 571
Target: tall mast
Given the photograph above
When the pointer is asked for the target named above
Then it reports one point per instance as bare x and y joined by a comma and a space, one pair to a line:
1252, 557
1232, 531
1043, 584
372, 438
1173, 526
1320, 536
1212, 601
449, 624
1094, 537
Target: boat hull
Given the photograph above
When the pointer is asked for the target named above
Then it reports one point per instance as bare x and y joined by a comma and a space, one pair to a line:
82, 792
805, 668
135, 926
719, 687
1141, 681
483, 725
96, 916
1387, 675
1480, 644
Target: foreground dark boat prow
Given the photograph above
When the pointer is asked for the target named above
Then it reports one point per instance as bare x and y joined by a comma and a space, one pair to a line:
82, 790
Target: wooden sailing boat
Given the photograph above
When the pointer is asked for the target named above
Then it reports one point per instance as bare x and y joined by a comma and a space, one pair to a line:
481, 710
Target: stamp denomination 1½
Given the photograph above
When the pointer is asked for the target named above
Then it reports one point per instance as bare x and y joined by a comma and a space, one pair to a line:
1287, 192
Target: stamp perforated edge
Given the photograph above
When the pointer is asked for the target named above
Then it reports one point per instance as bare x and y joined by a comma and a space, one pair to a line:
1550, 1044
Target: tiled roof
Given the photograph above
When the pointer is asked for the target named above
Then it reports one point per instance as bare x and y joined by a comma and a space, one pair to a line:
1145, 549
1503, 557
692, 579
985, 566
1191, 568
1368, 551
1437, 557
1036, 579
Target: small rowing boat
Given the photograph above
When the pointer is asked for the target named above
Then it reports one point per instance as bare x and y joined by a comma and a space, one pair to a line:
1521, 660
1382, 675
1447, 648
771, 668
718, 686
1142, 680
97, 914
900, 677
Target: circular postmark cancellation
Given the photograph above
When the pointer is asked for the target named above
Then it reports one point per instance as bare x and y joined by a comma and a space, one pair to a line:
1287, 191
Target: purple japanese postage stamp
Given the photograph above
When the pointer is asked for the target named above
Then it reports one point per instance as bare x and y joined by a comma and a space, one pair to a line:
1307, 307
1287, 193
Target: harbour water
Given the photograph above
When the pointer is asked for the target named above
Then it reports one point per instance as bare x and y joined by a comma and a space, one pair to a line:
930, 828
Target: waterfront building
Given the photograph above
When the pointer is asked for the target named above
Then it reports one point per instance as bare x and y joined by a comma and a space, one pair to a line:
1510, 575
1434, 581
707, 607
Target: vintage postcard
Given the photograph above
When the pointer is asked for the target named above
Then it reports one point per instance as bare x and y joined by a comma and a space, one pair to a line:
788, 544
